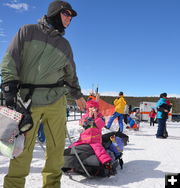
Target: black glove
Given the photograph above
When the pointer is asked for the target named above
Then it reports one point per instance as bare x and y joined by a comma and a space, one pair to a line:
10, 90
26, 122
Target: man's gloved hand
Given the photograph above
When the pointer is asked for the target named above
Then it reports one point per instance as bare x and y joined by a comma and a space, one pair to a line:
26, 123
81, 103
10, 90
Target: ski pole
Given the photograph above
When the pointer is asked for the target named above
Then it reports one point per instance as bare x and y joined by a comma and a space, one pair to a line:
97, 90
73, 147
97, 93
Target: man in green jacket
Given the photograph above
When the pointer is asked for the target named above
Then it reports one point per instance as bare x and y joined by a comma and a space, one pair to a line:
39, 65
119, 104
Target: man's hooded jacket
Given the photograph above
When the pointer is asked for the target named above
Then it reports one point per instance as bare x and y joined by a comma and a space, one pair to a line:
39, 54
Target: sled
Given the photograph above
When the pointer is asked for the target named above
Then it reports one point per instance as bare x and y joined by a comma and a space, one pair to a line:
134, 127
89, 159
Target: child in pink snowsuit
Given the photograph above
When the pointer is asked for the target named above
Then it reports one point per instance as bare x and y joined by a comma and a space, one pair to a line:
93, 122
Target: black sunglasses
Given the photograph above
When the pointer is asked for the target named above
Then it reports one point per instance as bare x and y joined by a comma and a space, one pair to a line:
66, 13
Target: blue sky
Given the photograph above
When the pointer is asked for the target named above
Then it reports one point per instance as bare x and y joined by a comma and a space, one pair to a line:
120, 45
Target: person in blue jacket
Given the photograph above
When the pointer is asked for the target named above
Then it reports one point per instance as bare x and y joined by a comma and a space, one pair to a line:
162, 115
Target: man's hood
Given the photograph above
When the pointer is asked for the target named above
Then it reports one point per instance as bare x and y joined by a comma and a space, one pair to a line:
47, 28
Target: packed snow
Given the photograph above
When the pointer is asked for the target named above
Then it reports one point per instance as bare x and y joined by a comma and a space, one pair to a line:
146, 160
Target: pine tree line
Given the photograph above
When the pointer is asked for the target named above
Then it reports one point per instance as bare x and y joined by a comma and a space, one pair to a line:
135, 101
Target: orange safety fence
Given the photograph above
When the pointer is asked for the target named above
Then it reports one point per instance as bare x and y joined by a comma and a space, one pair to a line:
106, 109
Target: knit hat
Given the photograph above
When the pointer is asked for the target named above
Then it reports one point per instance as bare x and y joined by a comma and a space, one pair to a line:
92, 103
120, 93
56, 6
163, 95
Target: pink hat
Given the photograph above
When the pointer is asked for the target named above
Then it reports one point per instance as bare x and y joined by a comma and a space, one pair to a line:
92, 103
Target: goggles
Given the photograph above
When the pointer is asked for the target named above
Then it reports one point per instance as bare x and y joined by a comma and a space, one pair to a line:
66, 13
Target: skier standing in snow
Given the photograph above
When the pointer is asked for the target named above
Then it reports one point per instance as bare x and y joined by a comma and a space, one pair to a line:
120, 104
39, 55
162, 115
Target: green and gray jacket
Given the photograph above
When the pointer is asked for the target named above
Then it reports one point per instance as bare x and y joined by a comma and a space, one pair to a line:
39, 54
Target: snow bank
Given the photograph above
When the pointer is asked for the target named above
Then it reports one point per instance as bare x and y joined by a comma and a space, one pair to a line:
146, 161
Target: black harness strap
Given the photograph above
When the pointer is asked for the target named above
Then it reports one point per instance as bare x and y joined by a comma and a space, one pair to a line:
32, 87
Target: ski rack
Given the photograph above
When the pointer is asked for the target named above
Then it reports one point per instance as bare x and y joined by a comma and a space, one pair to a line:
77, 156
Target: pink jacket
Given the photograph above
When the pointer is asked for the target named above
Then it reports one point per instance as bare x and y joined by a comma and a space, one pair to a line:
152, 114
93, 137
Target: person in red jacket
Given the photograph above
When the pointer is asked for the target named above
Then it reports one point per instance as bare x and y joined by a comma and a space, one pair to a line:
152, 116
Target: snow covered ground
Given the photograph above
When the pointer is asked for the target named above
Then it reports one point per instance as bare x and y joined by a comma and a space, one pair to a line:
146, 161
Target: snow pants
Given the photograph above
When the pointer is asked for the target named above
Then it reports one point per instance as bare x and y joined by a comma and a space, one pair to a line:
120, 120
53, 117
161, 127
151, 121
